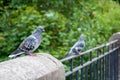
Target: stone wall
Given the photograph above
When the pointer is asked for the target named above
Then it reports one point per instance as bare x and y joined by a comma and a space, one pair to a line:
40, 67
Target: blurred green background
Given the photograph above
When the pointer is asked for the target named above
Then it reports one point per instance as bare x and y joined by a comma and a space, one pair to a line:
63, 20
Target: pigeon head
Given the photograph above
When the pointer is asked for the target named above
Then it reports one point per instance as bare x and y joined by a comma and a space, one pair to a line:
82, 37
40, 29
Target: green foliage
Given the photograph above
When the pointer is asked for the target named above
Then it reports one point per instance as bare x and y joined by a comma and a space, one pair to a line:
110, 17
63, 20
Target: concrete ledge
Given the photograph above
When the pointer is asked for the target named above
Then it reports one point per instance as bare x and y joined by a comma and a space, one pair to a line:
115, 36
40, 67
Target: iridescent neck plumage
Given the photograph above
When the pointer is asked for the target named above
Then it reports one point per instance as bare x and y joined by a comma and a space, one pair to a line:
81, 39
37, 33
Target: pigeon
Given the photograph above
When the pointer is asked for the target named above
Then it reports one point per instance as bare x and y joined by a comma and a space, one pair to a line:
77, 47
30, 44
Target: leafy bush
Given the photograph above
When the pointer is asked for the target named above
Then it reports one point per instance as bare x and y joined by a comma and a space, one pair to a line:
15, 26
63, 21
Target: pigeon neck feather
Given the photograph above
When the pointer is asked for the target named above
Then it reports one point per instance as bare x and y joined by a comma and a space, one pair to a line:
37, 33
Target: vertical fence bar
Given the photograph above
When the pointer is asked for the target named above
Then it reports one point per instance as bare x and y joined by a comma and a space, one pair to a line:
71, 69
77, 73
103, 65
117, 61
82, 59
111, 66
108, 66
86, 73
103, 68
96, 72
114, 74
93, 71
90, 66
100, 69
114, 65
109, 63
97, 66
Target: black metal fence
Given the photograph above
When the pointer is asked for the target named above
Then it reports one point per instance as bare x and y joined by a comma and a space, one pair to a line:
99, 63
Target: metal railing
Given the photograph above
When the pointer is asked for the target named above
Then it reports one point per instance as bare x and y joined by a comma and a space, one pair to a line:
99, 63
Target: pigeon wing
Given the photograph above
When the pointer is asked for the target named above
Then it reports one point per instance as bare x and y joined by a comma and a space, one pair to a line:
81, 45
28, 44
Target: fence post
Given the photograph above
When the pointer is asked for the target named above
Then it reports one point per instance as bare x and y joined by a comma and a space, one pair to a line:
40, 67
114, 37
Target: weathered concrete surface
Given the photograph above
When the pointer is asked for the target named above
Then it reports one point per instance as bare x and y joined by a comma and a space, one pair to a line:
114, 37
40, 67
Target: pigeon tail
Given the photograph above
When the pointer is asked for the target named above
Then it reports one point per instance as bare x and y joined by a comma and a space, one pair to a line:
15, 53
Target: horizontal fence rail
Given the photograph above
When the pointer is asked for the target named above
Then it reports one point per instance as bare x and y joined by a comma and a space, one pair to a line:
99, 63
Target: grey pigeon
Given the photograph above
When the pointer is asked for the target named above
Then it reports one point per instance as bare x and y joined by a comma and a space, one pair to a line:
77, 47
30, 44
